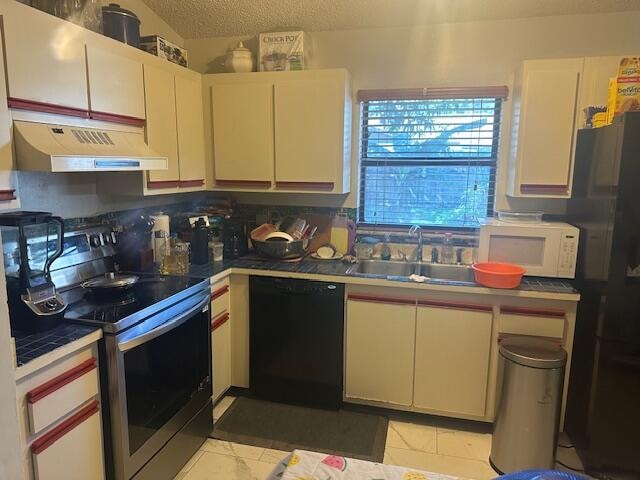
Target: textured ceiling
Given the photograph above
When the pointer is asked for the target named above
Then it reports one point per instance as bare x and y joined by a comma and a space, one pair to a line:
216, 18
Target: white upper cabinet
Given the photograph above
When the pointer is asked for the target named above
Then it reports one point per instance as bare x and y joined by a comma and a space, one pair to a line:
161, 128
190, 131
310, 134
174, 128
282, 131
453, 346
45, 60
243, 134
545, 128
116, 85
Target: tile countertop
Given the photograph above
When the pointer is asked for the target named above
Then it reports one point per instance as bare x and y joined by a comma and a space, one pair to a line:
336, 271
40, 349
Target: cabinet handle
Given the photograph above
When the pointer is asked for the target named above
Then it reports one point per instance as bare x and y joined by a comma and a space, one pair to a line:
163, 184
219, 292
306, 185
60, 381
49, 438
381, 299
534, 312
244, 183
540, 188
115, 118
33, 106
460, 306
7, 195
219, 321
190, 183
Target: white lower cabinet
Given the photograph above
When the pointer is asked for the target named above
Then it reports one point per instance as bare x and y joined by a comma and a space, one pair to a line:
221, 337
221, 348
453, 347
379, 341
60, 417
75, 453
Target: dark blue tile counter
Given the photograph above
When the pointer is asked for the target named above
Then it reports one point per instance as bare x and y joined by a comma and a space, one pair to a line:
338, 268
30, 347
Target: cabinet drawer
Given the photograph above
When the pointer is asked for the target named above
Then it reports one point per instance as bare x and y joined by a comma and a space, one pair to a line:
219, 298
72, 450
60, 395
531, 321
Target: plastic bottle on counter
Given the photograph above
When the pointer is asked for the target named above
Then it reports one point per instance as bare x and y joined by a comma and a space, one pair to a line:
448, 256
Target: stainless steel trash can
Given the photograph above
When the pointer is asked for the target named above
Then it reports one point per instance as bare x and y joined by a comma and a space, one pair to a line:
530, 380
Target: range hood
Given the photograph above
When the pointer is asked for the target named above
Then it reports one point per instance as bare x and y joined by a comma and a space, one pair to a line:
62, 148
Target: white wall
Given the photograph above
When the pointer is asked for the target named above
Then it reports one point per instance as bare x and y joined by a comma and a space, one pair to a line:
474, 53
150, 22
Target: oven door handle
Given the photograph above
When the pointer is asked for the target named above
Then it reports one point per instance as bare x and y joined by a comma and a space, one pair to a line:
165, 327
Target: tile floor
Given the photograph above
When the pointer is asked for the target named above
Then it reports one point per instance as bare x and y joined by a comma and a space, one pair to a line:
439, 445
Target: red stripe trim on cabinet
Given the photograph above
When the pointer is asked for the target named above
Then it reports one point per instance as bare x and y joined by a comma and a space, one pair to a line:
459, 306
535, 312
49, 438
7, 195
115, 118
219, 292
306, 185
60, 381
221, 320
190, 183
163, 184
34, 106
527, 187
381, 299
244, 183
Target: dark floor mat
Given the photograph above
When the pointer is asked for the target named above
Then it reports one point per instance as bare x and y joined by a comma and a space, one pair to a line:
287, 427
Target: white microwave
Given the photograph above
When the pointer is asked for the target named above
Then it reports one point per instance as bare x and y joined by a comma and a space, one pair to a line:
546, 249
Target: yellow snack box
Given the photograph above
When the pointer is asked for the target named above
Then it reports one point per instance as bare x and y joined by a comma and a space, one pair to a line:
628, 85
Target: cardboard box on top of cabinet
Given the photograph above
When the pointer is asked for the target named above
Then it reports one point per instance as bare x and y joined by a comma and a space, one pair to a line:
278, 51
158, 46
628, 86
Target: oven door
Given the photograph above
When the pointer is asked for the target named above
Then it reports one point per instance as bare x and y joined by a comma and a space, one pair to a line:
535, 248
159, 378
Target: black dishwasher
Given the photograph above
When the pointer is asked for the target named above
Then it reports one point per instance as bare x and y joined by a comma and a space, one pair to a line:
296, 341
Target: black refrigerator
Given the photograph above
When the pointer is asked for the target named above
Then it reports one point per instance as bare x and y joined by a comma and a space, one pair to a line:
603, 408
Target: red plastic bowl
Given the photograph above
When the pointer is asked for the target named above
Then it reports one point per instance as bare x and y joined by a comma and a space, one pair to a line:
498, 275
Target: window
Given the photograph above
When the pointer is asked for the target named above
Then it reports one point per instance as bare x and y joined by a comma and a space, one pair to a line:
428, 156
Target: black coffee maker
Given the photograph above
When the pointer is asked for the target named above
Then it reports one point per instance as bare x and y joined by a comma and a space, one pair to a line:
31, 242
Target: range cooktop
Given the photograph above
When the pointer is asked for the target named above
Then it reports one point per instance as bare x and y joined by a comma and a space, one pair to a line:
118, 310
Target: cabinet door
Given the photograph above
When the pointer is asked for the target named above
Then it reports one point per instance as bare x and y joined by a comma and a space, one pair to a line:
380, 349
8, 179
243, 134
221, 351
72, 450
45, 62
190, 131
547, 127
452, 358
162, 132
309, 133
116, 86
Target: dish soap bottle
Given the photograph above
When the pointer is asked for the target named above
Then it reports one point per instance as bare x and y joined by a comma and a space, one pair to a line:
447, 249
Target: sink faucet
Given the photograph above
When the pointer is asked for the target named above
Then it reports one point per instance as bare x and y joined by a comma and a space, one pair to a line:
417, 230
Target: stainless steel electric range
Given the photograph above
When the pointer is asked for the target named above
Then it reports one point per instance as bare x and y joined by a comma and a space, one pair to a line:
155, 357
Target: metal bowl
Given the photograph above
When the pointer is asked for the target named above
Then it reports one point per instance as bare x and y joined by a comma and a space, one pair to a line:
281, 250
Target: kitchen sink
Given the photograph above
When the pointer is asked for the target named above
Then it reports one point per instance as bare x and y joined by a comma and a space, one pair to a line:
383, 268
433, 271
456, 273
